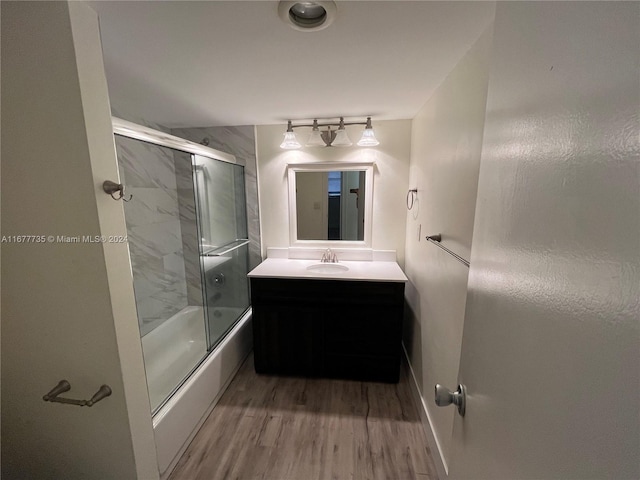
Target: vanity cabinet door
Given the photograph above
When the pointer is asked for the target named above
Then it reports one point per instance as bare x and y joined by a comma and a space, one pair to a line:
287, 340
362, 331
363, 343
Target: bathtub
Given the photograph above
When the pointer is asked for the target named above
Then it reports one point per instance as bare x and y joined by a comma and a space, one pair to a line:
170, 352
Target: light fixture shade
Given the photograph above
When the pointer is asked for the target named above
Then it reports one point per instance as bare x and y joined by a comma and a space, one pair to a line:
290, 141
315, 139
342, 139
368, 138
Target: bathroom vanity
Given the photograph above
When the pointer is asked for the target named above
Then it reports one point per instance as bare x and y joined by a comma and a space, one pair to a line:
341, 320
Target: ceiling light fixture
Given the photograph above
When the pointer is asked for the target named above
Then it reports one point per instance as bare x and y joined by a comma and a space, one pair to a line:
328, 137
307, 16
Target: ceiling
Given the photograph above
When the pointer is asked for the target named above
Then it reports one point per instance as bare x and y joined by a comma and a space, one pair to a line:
213, 63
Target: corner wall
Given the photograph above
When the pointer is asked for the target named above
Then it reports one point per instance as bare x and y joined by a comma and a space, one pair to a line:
391, 173
445, 160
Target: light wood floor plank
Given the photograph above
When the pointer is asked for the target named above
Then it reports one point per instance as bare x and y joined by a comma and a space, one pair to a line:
288, 428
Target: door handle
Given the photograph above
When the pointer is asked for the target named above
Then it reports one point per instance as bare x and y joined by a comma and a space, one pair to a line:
446, 397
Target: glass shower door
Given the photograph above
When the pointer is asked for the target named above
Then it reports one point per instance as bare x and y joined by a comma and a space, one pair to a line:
164, 247
224, 260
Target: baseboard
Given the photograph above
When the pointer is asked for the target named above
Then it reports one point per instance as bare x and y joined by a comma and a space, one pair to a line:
432, 441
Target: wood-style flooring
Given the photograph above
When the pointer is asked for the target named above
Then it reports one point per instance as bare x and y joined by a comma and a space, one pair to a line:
287, 428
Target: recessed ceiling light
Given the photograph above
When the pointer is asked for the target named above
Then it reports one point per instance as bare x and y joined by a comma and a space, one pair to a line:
307, 16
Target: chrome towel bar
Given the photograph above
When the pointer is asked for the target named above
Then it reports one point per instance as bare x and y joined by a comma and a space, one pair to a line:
437, 238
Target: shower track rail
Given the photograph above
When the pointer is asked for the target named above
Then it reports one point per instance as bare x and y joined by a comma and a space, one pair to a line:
145, 134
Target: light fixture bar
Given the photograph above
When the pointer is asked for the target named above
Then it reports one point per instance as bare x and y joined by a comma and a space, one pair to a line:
328, 138
332, 124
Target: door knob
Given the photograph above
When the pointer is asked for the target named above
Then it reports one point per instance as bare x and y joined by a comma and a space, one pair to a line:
446, 397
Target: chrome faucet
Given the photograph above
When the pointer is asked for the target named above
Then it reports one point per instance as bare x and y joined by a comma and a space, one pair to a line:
329, 257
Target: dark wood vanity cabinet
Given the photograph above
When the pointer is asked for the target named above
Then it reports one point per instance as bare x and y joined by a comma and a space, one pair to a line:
328, 328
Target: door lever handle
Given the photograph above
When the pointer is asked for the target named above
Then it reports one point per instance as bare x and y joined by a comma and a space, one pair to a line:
446, 397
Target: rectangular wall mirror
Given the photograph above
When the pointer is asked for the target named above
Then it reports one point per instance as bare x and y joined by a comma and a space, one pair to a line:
330, 204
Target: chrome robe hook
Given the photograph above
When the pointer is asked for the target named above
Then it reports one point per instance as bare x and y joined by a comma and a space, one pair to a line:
112, 187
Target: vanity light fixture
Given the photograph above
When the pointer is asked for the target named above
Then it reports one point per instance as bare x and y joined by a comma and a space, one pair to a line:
315, 138
342, 139
290, 141
328, 137
368, 138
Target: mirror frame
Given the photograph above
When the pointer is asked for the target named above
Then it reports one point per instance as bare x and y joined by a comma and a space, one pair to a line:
367, 167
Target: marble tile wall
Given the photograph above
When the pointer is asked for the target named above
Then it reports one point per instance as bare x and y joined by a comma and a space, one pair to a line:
189, 227
154, 230
239, 141
218, 203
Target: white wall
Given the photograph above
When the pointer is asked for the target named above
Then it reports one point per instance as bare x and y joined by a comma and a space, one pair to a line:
390, 183
445, 159
69, 310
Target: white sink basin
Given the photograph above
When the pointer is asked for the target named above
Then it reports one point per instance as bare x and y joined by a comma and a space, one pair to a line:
327, 268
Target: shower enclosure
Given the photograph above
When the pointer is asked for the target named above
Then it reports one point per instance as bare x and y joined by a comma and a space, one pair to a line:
187, 237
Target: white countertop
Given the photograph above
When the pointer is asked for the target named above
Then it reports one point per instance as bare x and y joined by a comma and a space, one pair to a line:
372, 271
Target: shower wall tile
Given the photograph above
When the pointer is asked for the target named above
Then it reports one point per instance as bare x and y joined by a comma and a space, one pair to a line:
159, 288
155, 239
174, 265
220, 208
188, 227
154, 231
239, 141
153, 205
156, 172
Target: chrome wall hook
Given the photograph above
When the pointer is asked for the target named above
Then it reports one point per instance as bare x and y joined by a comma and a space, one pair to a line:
112, 187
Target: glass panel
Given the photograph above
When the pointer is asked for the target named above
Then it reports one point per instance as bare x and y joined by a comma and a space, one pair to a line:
227, 289
165, 261
222, 217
